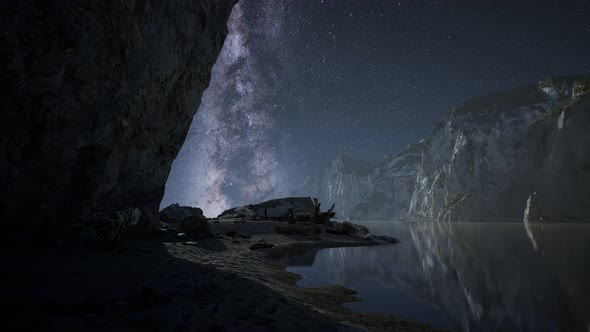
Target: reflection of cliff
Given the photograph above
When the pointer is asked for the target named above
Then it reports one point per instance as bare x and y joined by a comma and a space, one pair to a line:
482, 162
479, 284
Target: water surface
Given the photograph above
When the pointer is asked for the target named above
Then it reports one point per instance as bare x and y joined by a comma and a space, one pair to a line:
466, 276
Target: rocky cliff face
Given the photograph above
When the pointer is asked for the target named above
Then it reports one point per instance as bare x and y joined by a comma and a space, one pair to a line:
346, 182
363, 189
484, 160
97, 100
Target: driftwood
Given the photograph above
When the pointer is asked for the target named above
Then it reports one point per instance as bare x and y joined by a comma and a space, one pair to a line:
319, 217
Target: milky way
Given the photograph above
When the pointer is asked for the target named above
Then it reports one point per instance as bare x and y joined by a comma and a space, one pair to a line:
231, 153
299, 82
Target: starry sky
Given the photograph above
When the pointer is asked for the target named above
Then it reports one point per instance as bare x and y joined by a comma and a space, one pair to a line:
300, 82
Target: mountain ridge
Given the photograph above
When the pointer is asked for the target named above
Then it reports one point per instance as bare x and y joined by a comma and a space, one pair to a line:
493, 151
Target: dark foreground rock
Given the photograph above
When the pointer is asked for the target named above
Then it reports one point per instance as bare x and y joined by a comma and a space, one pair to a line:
97, 100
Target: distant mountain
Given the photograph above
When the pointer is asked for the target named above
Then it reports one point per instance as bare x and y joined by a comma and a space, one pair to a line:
482, 161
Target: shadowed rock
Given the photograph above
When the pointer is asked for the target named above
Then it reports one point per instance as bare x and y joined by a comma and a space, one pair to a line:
98, 98
305, 229
195, 225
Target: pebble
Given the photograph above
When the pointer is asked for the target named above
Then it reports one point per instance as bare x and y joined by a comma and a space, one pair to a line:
261, 245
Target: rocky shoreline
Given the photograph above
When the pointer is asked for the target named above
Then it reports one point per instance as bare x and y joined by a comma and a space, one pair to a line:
171, 283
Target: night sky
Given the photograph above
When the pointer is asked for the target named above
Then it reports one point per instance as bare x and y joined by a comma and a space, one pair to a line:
300, 82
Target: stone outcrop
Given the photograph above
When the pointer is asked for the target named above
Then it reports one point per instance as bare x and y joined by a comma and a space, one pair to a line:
175, 213
195, 225
97, 100
280, 208
482, 162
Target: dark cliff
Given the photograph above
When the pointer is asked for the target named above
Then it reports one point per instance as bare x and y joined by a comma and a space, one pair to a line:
97, 100
483, 162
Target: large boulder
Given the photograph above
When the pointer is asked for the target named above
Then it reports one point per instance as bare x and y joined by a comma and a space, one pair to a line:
195, 225
97, 99
281, 208
175, 213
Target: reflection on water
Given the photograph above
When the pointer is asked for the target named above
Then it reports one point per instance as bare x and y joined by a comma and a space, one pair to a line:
467, 276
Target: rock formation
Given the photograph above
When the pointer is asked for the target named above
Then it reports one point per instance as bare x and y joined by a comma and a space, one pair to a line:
97, 101
482, 162
280, 208
175, 213
195, 225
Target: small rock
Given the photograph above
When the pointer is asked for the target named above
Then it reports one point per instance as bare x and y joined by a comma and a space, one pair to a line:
231, 233
244, 236
175, 213
261, 245
189, 243
182, 236
236, 241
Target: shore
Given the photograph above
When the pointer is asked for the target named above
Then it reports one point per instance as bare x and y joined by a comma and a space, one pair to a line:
178, 284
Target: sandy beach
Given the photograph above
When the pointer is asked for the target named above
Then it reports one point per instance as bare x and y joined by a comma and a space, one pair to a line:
169, 283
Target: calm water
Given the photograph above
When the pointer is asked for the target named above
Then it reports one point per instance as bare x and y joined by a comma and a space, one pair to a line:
466, 276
